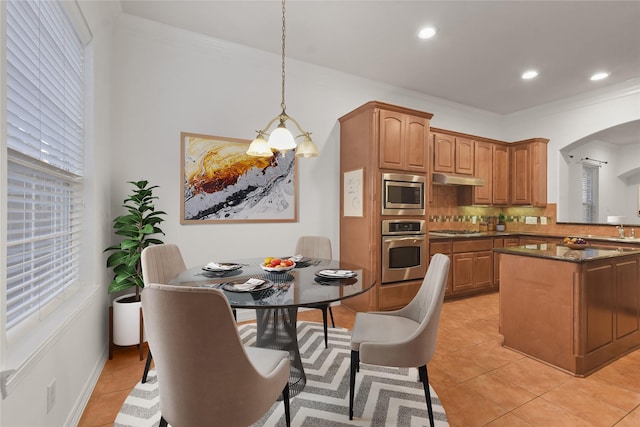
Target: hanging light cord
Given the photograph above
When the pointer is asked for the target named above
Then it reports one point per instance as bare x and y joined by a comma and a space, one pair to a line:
282, 104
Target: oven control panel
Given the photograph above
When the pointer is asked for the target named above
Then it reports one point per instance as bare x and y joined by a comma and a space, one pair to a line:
392, 226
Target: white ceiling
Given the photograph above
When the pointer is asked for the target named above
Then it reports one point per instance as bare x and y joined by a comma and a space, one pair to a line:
476, 59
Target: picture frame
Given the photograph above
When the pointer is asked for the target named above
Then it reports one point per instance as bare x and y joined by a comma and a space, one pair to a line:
223, 184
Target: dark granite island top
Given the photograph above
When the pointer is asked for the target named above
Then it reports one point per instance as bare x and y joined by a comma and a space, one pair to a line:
562, 253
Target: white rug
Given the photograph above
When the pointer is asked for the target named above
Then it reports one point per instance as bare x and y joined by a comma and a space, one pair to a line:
384, 396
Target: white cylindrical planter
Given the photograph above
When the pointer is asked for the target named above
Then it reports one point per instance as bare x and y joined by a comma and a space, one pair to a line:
126, 321
500, 227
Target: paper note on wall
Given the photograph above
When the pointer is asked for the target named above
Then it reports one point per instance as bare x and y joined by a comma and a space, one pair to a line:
352, 197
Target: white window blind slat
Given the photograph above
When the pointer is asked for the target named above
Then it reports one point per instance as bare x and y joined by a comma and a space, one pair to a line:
45, 95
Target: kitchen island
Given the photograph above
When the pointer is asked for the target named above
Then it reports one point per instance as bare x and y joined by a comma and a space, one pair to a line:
577, 310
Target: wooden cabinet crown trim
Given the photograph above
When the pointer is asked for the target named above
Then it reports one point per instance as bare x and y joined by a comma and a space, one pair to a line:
388, 107
483, 139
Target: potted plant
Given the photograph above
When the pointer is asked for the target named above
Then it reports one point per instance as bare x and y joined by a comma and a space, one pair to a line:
137, 228
501, 222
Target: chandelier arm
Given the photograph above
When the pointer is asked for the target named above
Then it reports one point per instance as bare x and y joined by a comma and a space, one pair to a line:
302, 131
266, 128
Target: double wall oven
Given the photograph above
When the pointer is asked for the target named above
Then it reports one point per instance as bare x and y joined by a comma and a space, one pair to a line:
404, 250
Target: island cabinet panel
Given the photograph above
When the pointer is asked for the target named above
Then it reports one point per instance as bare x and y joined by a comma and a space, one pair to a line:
627, 298
599, 297
577, 316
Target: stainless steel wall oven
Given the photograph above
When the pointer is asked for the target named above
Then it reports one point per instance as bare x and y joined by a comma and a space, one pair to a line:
404, 250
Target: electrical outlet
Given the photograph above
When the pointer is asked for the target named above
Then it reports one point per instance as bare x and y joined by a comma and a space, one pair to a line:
543, 220
51, 395
473, 219
531, 220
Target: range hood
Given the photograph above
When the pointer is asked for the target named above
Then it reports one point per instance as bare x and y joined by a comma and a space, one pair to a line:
448, 179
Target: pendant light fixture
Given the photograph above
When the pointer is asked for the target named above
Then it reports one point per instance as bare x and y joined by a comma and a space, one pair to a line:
281, 139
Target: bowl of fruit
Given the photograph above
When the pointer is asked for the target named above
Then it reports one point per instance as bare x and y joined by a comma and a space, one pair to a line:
575, 242
277, 265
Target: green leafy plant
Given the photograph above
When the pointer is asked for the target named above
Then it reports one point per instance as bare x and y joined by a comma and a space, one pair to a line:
137, 228
501, 218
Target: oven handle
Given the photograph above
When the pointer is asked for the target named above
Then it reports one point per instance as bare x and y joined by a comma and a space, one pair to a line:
398, 239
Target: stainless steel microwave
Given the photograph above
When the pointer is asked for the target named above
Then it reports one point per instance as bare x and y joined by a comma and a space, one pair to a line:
403, 194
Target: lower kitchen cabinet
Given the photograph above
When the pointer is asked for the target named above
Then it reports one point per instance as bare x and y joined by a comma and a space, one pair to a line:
471, 268
445, 249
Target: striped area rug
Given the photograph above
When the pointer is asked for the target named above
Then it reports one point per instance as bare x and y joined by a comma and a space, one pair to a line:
384, 396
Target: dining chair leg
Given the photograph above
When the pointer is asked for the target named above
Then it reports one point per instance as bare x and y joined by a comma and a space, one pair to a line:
425, 383
147, 365
285, 399
163, 422
355, 362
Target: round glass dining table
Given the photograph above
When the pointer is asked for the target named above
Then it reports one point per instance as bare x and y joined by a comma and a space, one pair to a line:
277, 299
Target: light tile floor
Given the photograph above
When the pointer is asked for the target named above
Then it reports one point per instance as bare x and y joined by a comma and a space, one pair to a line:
479, 382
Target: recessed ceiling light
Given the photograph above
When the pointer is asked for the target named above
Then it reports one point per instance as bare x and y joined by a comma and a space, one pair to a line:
529, 74
599, 76
427, 32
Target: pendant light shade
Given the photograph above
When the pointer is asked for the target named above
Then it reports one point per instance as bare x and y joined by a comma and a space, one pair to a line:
259, 147
307, 148
281, 139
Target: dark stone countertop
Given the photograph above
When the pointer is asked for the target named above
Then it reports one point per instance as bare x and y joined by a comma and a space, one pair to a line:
562, 253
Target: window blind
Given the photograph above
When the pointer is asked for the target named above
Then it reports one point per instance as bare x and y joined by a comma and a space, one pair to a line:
45, 104
589, 193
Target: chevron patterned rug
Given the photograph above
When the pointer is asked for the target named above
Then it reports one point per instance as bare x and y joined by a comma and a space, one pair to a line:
384, 396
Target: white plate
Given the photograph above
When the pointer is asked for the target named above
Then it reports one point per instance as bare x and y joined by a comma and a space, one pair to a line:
336, 274
221, 266
231, 287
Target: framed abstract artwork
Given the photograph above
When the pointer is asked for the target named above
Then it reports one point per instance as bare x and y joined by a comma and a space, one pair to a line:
221, 183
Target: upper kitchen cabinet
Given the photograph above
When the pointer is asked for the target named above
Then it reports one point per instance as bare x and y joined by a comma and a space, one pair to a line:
453, 154
529, 172
403, 141
500, 177
483, 194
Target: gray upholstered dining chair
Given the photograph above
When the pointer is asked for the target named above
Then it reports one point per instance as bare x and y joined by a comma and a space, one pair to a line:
317, 247
206, 376
402, 338
160, 264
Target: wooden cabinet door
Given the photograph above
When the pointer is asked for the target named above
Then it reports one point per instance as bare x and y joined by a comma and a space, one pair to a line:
449, 286
500, 188
403, 142
464, 156
520, 175
483, 269
416, 144
462, 272
482, 195
538, 155
443, 153
391, 136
